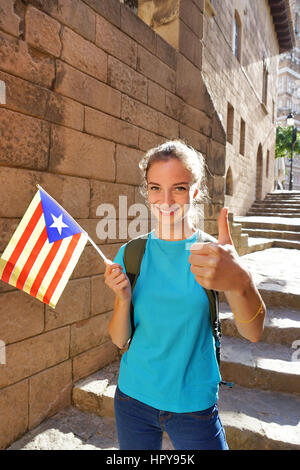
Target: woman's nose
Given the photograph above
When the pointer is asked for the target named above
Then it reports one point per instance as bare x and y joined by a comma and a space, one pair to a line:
168, 198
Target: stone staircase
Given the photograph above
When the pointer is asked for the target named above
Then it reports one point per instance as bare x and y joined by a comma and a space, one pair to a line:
261, 411
275, 221
277, 204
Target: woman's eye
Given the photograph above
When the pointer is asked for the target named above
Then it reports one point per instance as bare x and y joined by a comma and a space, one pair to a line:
154, 188
180, 188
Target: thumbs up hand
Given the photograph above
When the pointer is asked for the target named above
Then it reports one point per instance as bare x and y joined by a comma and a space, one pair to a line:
217, 266
224, 237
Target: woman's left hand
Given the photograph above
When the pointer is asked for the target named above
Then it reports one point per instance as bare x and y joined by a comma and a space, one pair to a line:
217, 266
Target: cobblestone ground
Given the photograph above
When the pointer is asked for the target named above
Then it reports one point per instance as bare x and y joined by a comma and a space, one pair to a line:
273, 269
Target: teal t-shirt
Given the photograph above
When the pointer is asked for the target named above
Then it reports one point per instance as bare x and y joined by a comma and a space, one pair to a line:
171, 362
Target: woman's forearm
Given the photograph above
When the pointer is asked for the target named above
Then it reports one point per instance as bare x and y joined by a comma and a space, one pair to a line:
119, 326
245, 304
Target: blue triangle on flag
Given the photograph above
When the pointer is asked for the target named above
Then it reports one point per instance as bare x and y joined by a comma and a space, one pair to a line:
58, 223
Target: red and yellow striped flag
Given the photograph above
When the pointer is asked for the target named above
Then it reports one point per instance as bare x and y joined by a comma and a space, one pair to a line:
43, 251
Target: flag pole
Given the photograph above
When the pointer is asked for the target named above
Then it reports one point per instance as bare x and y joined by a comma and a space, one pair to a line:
108, 261
105, 259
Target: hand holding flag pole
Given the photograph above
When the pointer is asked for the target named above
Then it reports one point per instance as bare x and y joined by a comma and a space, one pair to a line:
44, 250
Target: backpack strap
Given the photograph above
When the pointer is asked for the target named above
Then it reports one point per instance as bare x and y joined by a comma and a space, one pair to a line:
214, 308
133, 255
213, 297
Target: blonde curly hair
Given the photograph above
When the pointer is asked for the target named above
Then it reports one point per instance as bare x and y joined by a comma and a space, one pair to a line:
192, 160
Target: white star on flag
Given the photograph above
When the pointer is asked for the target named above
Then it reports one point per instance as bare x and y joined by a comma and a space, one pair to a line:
58, 223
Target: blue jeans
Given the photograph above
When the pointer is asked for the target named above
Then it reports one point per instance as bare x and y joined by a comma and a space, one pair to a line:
139, 426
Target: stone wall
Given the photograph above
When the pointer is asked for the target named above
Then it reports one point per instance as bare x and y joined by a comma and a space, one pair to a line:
86, 88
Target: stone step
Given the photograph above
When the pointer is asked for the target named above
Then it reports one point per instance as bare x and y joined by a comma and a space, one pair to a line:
261, 213
279, 198
256, 244
279, 201
266, 213
277, 297
276, 273
95, 393
283, 197
276, 234
71, 429
259, 365
282, 325
259, 420
267, 209
268, 219
252, 418
252, 365
264, 225
286, 244
276, 205
283, 193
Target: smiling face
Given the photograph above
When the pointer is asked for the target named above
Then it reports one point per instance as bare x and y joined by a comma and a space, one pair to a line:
170, 191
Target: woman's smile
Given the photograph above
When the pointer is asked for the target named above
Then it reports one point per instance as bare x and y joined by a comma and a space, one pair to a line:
168, 212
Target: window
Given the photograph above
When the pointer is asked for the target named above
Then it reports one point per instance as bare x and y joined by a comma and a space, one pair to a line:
230, 120
237, 35
210, 8
242, 137
133, 4
267, 165
265, 83
229, 183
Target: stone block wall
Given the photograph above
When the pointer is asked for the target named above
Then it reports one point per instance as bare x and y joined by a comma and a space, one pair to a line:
88, 88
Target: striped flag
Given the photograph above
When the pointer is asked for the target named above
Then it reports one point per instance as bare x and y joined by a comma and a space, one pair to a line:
43, 251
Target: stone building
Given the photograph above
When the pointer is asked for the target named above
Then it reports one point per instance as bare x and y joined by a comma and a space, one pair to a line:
86, 86
289, 94
239, 72
242, 83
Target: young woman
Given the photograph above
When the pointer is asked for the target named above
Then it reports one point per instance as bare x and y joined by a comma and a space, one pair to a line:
169, 376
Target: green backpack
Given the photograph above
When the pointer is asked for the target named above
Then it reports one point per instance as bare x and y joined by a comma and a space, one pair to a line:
133, 255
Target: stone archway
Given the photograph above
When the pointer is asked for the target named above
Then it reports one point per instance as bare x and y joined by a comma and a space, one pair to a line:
259, 173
